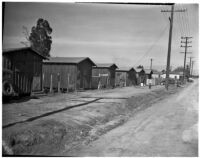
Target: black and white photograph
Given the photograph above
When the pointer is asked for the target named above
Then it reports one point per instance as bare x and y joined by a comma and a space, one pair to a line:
100, 79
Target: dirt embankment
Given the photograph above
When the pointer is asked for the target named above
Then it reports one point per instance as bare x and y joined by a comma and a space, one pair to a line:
54, 135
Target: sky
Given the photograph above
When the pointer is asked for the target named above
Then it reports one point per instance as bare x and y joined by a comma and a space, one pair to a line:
126, 34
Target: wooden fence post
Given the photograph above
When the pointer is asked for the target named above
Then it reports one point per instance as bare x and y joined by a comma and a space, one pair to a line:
43, 82
51, 84
107, 81
99, 84
67, 82
125, 79
58, 75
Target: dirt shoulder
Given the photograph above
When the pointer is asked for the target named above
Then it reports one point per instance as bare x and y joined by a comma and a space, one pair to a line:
169, 128
67, 128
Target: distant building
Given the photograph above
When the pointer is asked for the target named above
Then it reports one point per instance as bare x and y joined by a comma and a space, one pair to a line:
156, 74
125, 77
72, 72
103, 75
173, 75
22, 71
148, 74
140, 75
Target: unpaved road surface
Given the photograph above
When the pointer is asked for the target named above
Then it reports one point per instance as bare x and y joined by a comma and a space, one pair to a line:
129, 121
168, 128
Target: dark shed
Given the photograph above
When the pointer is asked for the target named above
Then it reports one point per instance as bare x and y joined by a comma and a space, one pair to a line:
22, 71
140, 75
125, 77
148, 73
103, 75
72, 72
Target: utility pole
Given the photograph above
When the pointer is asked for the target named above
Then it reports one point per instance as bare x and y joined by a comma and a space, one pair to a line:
169, 42
151, 64
185, 46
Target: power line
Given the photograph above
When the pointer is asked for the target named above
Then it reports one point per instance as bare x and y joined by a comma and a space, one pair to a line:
169, 43
155, 42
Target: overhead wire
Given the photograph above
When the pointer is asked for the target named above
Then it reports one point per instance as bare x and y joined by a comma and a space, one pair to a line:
184, 22
153, 44
178, 22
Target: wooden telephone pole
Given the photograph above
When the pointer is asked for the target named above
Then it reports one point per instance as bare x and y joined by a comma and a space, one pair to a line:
185, 46
169, 43
151, 64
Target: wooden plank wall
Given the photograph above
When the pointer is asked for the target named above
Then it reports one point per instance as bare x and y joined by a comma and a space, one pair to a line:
132, 77
28, 65
67, 73
112, 77
121, 78
105, 81
22, 83
84, 76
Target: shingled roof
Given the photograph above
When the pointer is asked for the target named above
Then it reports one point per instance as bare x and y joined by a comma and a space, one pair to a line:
106, 65
125, 69
68, 60
12, 50
139, 69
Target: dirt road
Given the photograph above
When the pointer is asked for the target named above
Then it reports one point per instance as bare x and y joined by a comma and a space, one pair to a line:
168, 128
78, 124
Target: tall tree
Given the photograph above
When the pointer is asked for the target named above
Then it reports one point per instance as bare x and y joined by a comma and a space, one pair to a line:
140, 67
40, 38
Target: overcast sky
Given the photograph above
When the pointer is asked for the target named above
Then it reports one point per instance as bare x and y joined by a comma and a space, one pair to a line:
128, 35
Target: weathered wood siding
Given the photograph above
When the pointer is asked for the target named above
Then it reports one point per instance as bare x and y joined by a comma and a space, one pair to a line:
124, 78
141, 78
25, 66
105, 81
121, 79
112, 77
132, 77
84, 77
67, 74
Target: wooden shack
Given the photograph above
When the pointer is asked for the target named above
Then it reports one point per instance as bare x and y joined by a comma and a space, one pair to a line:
22, 71
103, 76
125, 77
148, 74
140, 75
67, 73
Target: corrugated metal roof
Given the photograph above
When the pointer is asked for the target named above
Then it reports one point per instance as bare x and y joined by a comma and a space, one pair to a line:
9, 50
68, 60
106, 65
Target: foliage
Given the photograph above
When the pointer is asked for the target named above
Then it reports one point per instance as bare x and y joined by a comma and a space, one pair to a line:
178, 69
163, 71
181, 68
140, 66
40, 38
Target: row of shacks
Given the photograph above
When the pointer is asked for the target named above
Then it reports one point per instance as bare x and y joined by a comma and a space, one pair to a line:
26, 71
